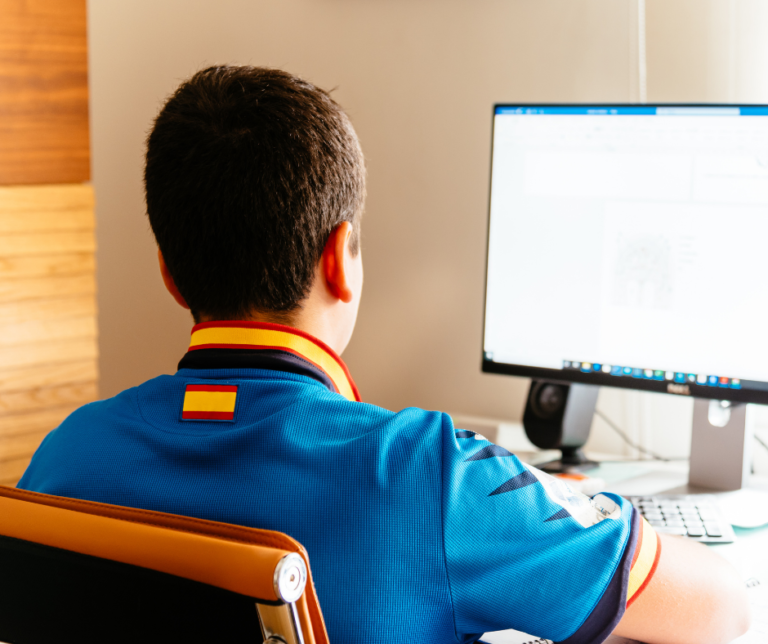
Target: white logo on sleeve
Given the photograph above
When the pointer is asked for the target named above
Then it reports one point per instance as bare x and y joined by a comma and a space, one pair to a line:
586, 511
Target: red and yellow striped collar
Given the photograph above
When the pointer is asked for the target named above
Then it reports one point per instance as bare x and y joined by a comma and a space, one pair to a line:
263, 335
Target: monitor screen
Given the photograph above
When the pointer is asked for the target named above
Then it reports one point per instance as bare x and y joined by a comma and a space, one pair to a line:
628, 247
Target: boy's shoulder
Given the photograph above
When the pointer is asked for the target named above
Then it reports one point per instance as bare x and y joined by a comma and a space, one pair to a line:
268, 421
240, 400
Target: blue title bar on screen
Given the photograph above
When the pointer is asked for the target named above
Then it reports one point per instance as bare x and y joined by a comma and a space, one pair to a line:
663, 110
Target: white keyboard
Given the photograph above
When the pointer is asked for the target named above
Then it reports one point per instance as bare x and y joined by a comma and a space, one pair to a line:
695, 516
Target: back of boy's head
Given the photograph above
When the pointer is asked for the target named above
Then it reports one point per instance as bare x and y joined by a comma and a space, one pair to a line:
248, 171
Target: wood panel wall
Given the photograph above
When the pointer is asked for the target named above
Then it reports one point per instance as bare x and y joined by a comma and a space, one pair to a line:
48, 330
43, 92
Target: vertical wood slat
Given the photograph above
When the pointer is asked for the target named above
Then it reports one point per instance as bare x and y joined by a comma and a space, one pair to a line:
48, 330
43, 92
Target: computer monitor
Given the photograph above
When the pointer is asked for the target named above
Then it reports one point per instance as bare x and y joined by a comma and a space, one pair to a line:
628, 247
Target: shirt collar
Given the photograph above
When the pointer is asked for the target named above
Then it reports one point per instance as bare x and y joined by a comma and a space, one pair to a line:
215, 344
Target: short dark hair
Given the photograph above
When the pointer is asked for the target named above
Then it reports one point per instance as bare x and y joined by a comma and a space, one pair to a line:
248, 170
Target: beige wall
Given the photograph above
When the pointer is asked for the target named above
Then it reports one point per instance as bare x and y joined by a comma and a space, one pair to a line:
418, 78
698, 51
708, 50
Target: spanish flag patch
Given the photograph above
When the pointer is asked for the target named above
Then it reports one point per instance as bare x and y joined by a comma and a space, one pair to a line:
209, 402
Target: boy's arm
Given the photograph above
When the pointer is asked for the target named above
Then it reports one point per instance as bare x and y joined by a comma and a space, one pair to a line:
694, 596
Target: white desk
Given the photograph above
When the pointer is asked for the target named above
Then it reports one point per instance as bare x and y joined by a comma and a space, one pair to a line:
646, 478
749, 554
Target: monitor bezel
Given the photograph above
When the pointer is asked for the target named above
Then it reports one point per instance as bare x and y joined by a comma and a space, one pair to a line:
694, 390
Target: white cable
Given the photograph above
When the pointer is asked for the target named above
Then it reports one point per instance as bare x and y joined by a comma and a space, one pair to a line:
642, 62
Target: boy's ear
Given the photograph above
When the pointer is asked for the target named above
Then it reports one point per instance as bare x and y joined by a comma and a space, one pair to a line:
336, 262
169, 283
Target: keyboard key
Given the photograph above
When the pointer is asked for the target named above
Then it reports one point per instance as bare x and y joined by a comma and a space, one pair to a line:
656, 523
695, 531
675, 523
681, 532
713, 529
653, 516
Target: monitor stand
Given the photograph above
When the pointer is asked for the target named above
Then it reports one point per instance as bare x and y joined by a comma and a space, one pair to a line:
559, 416
721, 445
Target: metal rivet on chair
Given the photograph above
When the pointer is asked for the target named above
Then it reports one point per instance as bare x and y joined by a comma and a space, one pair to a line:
290, 578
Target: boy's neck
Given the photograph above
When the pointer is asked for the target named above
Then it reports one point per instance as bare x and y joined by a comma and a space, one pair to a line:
329, 311
322, 318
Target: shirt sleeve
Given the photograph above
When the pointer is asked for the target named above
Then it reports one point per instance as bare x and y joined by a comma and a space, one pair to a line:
525, 552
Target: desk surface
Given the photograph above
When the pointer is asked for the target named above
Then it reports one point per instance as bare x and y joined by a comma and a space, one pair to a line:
748, 554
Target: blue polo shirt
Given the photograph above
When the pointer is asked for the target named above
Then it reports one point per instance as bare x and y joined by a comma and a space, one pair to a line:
416, 531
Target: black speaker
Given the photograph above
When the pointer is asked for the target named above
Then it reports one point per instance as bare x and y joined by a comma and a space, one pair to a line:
559, 416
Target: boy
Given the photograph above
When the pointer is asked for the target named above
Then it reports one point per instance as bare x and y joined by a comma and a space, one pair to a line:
416, 531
